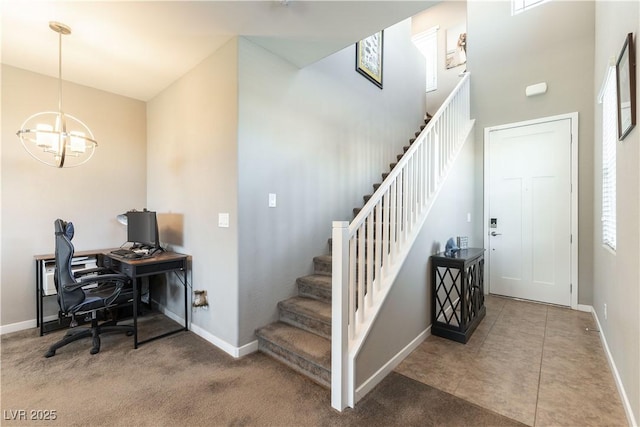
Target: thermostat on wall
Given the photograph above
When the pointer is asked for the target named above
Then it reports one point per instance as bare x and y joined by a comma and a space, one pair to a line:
536, 89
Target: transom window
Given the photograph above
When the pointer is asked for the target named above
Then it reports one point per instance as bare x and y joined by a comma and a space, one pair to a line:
519, 6
427, 44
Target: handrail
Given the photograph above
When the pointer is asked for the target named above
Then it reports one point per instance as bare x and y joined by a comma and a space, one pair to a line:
368, 253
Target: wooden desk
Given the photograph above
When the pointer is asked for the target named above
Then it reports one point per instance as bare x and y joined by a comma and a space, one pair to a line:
159, 263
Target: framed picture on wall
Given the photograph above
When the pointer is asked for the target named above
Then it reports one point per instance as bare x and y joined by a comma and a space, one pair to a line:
626, 88
369, 58
456, 46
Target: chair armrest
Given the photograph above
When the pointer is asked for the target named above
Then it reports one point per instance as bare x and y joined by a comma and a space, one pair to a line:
104, 278
119, 279
98, 270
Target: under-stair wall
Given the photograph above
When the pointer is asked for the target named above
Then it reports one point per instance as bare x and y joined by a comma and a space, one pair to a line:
405, 317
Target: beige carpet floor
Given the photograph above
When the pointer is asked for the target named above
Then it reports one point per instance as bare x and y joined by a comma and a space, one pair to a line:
182, 380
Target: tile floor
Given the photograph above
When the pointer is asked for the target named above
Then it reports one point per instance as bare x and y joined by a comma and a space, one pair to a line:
534, 363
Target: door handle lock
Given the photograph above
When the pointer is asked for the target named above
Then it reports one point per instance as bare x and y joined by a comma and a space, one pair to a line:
493, 233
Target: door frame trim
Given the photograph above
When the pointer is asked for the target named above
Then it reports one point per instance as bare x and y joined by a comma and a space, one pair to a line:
573, 118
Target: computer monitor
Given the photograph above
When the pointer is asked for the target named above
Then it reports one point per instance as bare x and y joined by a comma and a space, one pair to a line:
142, 229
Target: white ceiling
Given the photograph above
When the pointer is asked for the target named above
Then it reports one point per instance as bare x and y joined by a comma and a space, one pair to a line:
138, 48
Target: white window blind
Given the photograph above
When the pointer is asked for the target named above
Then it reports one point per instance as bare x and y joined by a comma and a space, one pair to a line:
519, 6
427, 44
609, 139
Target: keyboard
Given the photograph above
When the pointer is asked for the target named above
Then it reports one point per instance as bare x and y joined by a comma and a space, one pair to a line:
122, 252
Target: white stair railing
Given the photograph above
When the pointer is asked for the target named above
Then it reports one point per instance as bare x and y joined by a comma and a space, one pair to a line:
368, 253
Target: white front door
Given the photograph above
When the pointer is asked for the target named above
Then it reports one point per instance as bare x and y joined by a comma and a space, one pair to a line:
529, 212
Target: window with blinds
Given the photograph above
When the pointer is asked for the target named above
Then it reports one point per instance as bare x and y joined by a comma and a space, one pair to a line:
609, 139
427, 44
519, 6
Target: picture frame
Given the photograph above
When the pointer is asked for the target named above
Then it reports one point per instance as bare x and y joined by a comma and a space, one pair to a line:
626, 88
370, 57
456, 46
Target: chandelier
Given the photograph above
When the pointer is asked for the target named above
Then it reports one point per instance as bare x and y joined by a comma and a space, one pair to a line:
54, 137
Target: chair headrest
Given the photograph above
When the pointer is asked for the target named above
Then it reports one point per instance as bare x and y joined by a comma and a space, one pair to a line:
64, 227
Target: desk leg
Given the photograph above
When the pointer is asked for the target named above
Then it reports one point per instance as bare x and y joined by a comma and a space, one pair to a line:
39, 302
134, 282
186, 302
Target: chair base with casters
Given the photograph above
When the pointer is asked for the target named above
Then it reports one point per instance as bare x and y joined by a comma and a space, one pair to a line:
94, 332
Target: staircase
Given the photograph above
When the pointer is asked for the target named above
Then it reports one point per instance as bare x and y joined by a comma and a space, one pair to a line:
323, 329
301, 338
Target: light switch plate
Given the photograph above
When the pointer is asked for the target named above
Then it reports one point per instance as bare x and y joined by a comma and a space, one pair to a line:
223, 220
272, 200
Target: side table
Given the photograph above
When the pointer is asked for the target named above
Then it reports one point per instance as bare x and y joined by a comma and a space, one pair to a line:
457, 302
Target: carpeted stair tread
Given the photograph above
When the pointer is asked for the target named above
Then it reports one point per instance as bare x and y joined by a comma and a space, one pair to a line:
309, 306
316, 286
307, 313
303, 343
303, 351
322, 265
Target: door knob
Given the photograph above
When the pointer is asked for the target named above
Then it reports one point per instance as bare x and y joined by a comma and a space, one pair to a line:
493, 233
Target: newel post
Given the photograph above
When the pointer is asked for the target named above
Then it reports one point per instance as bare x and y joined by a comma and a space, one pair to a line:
339, 314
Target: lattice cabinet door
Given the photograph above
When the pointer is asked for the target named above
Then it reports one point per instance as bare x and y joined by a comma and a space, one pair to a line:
457, 303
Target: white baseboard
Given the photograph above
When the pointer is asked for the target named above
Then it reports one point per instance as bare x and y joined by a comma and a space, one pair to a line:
246, 349
223, 345
616, 376
19, 326
375, 379
26, 324
232, 350
585, 308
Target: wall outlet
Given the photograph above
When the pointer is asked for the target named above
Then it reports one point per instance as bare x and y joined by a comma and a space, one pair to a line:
200, 299
605, 311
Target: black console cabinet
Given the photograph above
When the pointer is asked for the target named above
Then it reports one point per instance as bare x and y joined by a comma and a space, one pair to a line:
457, 303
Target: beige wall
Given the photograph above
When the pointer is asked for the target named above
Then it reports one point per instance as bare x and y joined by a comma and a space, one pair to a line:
34, 195
552, 43
617, 275
445, 15
193, 174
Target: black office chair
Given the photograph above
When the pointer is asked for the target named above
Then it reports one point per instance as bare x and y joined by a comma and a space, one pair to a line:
75, 299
